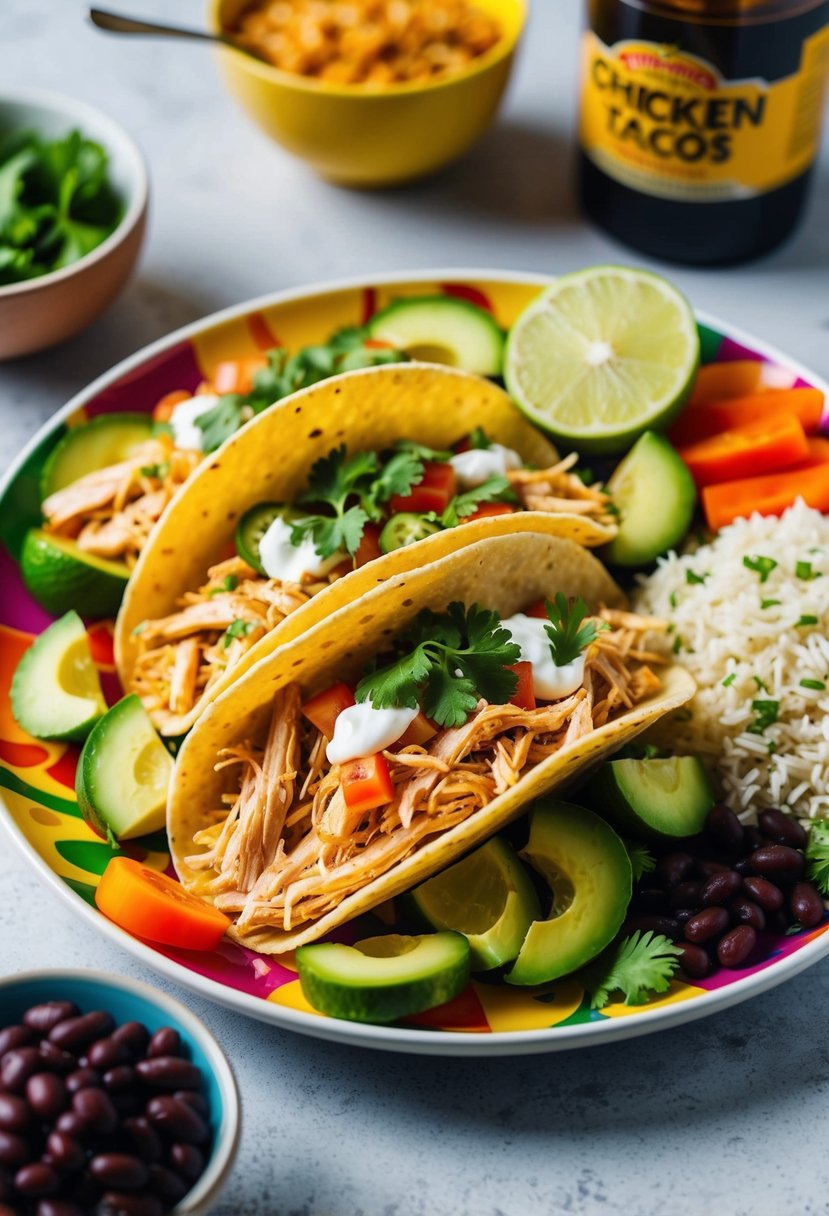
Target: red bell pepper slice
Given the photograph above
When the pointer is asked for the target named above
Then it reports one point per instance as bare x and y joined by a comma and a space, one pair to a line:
433, 492
324, 709
368, 549
524, 695
366, 783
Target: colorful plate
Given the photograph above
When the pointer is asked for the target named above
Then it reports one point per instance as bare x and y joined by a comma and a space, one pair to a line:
37, 778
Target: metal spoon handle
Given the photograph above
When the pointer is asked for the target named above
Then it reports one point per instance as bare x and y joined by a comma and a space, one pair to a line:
119, 23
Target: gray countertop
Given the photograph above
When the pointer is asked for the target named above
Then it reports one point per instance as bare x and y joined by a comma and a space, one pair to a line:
723, 1116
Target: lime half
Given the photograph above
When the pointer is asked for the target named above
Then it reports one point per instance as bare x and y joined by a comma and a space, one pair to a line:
603, 355
60, 576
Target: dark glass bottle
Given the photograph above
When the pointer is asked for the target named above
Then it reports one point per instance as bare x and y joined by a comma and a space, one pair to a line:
700, 122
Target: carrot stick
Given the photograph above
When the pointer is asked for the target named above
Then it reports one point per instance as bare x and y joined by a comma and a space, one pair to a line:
747, 451
769, 495
739, 378
700, 421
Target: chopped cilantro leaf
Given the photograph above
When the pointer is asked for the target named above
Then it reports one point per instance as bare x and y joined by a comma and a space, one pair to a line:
761, 566
467, 503
807, 620
422, 451
331, 481
692, 577
636, 967
229, 583
220, 422
817, 685
761, 684
769, 603
677, 646
766, 714
397, 476
236, 629
673, 599
479, 439
817, 856
585, 475
158, 471
804, 570
729, 680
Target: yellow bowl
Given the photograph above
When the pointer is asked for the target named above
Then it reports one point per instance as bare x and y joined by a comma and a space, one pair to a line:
373, 138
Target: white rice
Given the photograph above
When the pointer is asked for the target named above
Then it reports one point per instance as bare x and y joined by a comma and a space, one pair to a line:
721, 632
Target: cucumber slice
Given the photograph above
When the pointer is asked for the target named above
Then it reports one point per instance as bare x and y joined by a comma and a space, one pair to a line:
384, 978
652, 798
94, 445
488, 897
60, 576
443, 329
254, 524
406, 528
123, 774
56, 692
655, 496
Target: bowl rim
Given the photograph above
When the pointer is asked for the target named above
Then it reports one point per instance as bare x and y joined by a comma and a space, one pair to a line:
136, 205
501, 50
226, 1140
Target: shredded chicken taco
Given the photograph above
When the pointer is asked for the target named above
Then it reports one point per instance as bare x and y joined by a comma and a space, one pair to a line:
406, 728
316, 501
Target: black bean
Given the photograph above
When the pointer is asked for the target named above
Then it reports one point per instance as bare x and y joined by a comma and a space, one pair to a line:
56, 1060
165, 1042
711, 922
133, 1036
106, 1054
47, 1095
121, 1203
43, 1018
720, 887
83, 1078
707, 867
96, 1109
77, 1033
195, 1099
666, 925
763, 892
694, 961
187, 1160
177, 1120
65, 1151
14, 1036
119, 1171
142, 1139
17, 1066
806, 905
37, 1180
685, 895
73, 1124
781, 828
673, 868
778, 860
168, 1073
725, 827
15, 1115
14, 1150
683, 915
168, 1186
735, 946
119, 1078
58, 1207
747, 912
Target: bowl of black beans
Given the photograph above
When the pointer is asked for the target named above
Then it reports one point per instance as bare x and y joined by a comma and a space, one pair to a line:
115, 1100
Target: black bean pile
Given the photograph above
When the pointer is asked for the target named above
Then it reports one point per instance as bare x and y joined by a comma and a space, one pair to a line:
96, 1118
723, 894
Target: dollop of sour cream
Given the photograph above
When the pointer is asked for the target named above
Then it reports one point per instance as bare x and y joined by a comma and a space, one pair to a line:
361, 730
183, 421
288, 562
474, 467
549, 680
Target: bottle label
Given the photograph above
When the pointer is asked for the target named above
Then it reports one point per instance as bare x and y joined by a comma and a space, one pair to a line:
666, 123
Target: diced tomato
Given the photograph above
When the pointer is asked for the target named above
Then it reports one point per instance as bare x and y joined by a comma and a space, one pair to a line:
369, 547
524, 695
433, 493
163, 410
747, 451
151, 905
769, 495
419, 731
486, 509
236, 375
463, 445
324, 709
366, 783
538, 609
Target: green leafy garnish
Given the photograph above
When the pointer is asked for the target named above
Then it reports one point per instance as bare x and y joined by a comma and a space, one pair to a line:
769, 603
762, 686
642, 860
221, 421
638, 966
568, 638
479, 439
441, 455
450, 661
766, 714
56, 203
465, 504
807, 620
159, 471
761, 566
804, 570
817, 857
229, 583
236, 629
691, 577
397, 476
729, 679
677, 646
333, 479
817, 685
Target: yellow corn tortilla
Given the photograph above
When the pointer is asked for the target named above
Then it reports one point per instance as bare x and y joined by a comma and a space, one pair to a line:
270, 458
506, 573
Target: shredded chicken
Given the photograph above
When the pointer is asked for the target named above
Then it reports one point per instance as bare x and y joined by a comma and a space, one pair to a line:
288, 848
557, 490
111, 511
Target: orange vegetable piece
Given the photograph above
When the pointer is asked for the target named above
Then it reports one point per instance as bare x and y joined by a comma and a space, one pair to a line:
150, 905
163, 410
524, 695
739, 378
418, 732
368, 549
486, 509
324, 709
366, 783
769, 495
701, 421
746, 451
236, 375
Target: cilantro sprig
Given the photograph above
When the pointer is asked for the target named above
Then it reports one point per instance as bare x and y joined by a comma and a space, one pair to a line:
449, 661
817, 857
638, 966
568, 637
467, 503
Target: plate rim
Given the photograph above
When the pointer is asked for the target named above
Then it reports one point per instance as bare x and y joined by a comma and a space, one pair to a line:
404, 1039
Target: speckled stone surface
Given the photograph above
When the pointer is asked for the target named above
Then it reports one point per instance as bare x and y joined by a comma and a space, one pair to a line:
724, 1118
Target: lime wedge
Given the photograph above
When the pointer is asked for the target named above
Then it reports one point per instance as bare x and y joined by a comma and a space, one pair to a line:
60, 576
603, 355
56, 692
488, 897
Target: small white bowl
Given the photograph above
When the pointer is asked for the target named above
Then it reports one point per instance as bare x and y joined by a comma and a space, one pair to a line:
130, 1000
39, 312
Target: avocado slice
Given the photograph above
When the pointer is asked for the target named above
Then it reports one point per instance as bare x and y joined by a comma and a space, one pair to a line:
123, 773
589, 872
384, 978
56, 691
655, 798
443, 329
